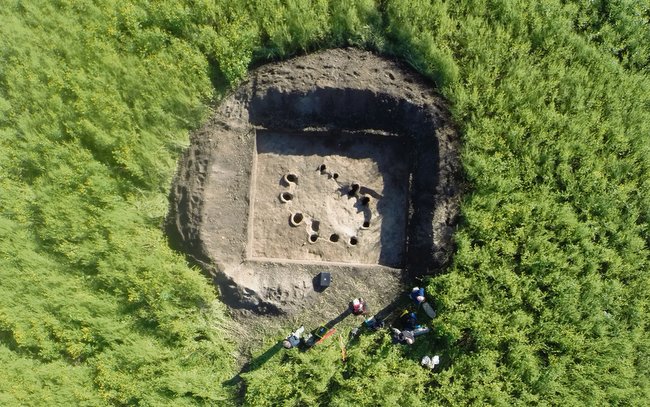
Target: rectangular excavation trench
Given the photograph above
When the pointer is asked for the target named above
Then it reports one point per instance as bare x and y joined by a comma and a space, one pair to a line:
354, 210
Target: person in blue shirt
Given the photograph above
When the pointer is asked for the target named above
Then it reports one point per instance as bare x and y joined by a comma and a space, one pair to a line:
417, 295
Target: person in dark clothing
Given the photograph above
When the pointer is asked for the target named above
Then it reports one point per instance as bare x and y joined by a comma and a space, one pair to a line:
406, 337
408, 320
374, 323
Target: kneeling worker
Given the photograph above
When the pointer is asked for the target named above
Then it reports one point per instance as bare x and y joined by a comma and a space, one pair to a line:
359, 306
406, 336
293, 339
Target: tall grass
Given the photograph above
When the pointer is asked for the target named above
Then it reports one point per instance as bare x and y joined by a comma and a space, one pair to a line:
546, 301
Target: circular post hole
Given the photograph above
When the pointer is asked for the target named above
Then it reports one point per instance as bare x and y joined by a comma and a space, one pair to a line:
365, 201
353, 241
335, 175
313, 238
354, 189
322, 168
296, 219
291, 178
365, 225
286, 197
334, 238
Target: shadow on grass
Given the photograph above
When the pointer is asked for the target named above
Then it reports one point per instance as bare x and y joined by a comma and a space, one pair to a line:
236, 384
330, 324
388, 314
255, 363
260, 360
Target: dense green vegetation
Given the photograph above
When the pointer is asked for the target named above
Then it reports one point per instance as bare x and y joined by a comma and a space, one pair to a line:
547, 299
95, 308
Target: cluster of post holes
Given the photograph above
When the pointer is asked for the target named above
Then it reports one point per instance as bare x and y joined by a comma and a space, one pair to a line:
296, 218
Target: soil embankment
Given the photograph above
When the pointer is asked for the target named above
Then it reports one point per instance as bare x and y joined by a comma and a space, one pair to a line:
341, 162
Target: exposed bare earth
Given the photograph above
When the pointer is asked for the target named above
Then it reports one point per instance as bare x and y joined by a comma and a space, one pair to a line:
354, 210
252, 204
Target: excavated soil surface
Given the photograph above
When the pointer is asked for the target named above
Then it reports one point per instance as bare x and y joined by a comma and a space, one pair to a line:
339, 161
347, 201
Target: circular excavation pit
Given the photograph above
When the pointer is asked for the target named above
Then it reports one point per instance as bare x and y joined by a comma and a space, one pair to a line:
296, 219
359, 154
290, 179
286, 197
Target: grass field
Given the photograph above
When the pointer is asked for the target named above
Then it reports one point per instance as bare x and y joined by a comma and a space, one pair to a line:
547, 299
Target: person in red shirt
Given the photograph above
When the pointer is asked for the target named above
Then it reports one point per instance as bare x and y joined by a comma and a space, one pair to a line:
359, 306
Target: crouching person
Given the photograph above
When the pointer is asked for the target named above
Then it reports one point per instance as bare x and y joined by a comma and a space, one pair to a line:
406, 337
293, 339
359, 306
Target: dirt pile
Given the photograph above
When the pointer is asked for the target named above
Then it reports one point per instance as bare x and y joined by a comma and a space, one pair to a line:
341, 162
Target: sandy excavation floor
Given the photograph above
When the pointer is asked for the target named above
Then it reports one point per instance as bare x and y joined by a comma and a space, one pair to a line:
329, 198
